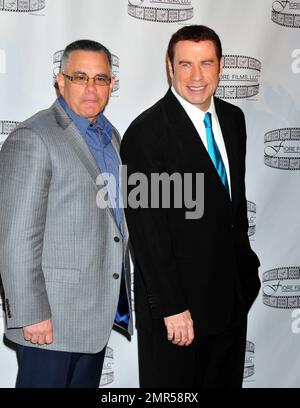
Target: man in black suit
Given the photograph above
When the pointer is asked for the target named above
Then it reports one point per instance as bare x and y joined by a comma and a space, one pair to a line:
196, 278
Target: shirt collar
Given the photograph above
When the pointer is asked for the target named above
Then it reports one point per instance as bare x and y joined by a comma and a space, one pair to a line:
189, 107
83, 124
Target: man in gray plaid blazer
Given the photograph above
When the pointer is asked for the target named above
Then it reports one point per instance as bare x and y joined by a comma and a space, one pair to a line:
63, 258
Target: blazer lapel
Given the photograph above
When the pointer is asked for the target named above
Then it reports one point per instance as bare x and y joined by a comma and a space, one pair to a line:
226, 128
116, 144
81, 149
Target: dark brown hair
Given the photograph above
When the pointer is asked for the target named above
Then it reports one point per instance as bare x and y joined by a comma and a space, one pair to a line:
194, 33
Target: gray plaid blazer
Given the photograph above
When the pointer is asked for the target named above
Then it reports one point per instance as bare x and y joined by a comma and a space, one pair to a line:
61, 255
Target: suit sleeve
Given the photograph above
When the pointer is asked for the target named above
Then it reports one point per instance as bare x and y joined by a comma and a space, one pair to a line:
142, 152
247, 259
25, 176
242, 218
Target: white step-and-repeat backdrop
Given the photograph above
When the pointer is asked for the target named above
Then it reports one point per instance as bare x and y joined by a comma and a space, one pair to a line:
261, 45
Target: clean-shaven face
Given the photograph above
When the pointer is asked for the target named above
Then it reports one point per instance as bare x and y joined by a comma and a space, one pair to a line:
196, 71
86, 100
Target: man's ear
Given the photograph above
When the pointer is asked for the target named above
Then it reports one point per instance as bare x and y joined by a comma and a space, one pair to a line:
170, 69
112, 83
221, 67
60, 79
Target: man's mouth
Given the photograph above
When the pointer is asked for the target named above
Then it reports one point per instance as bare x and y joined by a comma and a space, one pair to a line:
196, 88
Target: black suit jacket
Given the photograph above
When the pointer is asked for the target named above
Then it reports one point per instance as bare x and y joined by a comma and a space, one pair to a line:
205, 264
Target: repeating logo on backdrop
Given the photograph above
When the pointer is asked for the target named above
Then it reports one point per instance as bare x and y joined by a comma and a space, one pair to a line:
115, 67
282, 149
251, 209
240, 77
249, 368
22, 6
286, 13
6, 126
281, 287
1, 308
107, 376
161, 11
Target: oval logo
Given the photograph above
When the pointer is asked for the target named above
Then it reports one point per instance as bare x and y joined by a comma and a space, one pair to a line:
286, 13
107, 376
282, 149
249, 368
22, 6
161, 11
251, 209
281, 287
240, 77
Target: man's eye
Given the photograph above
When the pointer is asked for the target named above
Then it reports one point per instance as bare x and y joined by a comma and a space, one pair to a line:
80, 77
99, 78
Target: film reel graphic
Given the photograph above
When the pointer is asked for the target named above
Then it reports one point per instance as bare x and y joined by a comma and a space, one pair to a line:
282, 149
238, 91
251, 209
22, 6
249, 368
7, 126
279, 275
107, 376
283, 13
161, 11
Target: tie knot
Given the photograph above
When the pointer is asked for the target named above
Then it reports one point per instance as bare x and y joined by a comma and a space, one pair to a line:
207, 120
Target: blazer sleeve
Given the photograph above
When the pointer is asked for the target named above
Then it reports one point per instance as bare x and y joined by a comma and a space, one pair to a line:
247, 259
25, 176
242, 217
148, 227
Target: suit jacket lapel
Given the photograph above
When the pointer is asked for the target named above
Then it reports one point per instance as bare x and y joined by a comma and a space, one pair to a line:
81, 149
225, 122
116, 144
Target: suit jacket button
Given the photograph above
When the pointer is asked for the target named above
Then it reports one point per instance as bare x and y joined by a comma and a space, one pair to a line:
116, 239
116, 276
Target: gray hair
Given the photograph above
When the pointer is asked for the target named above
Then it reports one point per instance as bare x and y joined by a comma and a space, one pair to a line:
83, 45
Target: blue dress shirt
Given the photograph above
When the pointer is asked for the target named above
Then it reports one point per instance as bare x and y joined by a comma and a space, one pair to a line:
98, 137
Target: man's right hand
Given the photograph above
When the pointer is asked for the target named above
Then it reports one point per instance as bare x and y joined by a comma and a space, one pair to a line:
39, 333
180, 328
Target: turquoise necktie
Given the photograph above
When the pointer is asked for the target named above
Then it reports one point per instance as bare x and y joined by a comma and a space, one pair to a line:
214, 152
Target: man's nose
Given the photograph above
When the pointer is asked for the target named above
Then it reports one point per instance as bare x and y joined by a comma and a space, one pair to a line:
90, 84
196, 73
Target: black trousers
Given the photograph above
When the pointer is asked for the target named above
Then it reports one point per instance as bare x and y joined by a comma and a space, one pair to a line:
40, 368
209, 362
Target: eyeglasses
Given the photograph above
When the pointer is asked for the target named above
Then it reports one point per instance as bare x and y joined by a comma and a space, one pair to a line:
83, 79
